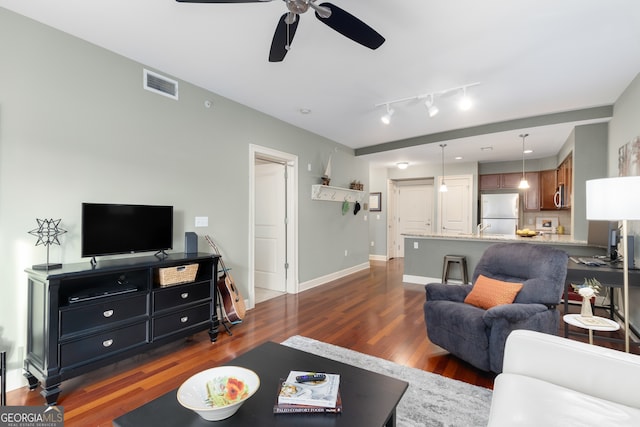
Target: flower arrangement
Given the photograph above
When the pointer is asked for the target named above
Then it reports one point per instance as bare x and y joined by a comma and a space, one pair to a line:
225, 391
588, 289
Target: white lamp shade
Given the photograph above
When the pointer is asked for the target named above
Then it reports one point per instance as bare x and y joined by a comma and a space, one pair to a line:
614, 199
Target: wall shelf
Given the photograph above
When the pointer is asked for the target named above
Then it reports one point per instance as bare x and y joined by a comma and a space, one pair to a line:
335, 194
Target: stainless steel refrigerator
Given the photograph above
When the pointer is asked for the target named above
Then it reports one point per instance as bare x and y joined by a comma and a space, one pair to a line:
500, 213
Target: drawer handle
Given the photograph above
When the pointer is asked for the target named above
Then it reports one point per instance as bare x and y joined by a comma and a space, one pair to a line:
184, 319
108, 313
184, 295
107, 343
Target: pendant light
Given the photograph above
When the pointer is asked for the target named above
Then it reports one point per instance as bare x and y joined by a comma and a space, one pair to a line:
524, 184
443, 186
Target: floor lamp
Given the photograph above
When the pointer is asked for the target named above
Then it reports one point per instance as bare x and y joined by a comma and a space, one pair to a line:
616, 199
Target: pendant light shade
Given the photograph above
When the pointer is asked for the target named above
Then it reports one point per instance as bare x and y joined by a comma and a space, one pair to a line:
524, 184
443, 186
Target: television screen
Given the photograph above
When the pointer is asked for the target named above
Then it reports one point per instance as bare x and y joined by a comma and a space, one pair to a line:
109, 229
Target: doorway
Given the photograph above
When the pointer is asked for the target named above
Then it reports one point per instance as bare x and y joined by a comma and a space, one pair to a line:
456, 205
273, 232
412, 212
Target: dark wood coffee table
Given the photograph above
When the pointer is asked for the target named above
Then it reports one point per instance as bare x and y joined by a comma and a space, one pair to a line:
369, 399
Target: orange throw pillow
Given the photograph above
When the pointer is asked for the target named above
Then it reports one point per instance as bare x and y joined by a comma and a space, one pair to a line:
487, 292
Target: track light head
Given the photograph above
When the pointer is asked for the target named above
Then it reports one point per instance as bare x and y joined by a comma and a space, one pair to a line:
386, 119
465, 102
431, 108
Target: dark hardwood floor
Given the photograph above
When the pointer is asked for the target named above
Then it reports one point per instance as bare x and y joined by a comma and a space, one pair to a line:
371, 311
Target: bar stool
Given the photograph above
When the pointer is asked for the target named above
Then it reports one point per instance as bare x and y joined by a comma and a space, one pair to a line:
461, 260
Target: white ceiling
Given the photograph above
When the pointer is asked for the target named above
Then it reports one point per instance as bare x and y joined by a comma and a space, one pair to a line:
531, 58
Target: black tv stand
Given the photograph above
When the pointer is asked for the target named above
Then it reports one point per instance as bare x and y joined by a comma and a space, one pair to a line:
80, 318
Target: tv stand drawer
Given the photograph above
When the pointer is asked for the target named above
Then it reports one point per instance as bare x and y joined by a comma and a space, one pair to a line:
180, 320
102, 345
169, 298
105, 314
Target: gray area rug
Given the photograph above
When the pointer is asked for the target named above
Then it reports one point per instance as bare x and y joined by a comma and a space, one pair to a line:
431, 400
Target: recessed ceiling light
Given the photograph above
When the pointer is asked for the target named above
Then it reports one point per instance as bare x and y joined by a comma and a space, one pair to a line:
458, 158
305, 111
402, 165
486, 148
528, 151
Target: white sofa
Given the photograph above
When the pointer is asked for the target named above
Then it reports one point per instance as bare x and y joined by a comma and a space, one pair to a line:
553, 381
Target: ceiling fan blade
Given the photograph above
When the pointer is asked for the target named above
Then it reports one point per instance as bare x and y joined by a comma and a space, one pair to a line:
223, 1
351, 27
282, 38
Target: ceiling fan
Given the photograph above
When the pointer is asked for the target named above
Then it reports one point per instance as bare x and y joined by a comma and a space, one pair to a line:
330, 14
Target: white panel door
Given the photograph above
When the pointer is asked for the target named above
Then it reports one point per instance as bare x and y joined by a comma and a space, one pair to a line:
456, 205
270, 256
415, 211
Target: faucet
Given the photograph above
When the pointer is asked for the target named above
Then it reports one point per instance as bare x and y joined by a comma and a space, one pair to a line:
480, 228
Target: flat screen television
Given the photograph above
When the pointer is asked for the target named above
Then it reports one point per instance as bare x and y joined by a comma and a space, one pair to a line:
111, 229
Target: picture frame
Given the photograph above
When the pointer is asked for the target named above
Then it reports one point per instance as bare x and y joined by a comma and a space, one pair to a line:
375, 202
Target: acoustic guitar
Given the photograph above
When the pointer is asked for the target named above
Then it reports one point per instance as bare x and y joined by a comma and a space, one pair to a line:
232, 302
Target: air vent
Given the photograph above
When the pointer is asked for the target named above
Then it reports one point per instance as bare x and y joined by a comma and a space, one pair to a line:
162, 85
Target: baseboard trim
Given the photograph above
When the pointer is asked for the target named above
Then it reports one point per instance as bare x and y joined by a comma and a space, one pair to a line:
304, 286
378, 258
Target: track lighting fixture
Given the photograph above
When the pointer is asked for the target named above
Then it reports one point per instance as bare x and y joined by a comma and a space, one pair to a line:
429, 101
524, 184
402, 165
443, 186
386, 119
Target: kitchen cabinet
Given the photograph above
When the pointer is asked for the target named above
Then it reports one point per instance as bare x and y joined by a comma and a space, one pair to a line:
550, 182
548, 185
531, 196
565, 178
499, 181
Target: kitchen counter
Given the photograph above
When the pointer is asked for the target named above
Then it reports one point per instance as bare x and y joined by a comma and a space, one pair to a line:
424, 253
563, 239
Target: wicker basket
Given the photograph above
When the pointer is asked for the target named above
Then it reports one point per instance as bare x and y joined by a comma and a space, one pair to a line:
177, 275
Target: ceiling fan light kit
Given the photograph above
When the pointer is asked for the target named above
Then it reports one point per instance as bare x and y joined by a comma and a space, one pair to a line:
329, 14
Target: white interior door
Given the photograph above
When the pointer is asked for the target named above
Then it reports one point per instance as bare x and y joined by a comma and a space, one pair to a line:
415, 210
270, 211
456, 205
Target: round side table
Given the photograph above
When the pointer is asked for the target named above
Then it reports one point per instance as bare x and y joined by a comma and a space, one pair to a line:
604, 324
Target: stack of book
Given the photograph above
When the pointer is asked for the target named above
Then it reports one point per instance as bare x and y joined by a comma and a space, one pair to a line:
308, 392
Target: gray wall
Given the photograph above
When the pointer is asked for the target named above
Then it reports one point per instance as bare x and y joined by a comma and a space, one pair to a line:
76, 125
623, 128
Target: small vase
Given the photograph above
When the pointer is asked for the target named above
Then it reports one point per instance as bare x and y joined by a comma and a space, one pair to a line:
585, 311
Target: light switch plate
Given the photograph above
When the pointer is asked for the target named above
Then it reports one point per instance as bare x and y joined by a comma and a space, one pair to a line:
202, 221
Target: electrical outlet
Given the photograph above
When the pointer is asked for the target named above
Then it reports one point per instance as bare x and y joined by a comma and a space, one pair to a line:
365, 217
202, 221
415, 245
346, 252
378, 216
309, 167
372, 243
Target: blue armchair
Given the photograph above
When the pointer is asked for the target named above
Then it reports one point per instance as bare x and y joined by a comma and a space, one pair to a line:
477, 335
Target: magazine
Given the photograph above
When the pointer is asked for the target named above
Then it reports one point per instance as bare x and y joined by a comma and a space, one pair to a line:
317, 393
593, 321
289, 408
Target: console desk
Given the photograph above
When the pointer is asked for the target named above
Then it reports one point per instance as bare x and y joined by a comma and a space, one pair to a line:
81, 317
610, 276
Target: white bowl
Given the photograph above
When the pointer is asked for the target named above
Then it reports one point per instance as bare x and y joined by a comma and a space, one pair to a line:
193, 394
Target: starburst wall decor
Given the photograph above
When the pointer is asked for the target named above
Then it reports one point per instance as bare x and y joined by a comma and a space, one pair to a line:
47, 233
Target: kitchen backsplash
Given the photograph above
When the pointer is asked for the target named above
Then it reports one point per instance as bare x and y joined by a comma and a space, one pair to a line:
564, 219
